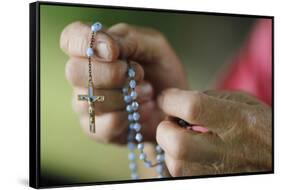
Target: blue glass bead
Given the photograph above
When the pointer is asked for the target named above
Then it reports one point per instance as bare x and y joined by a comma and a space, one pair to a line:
142, 156
132, 83
96, 27
132, 156
148, 164
160, 157
134, 176
133, 166
130, 137
159, 168
138, 137
127, 98
130, 117
129, 108
125, 90
137, 127
132, 126
90, 52
134, 95
135, 105
158, 149
131, 146
136, 116
131, 73
140, 146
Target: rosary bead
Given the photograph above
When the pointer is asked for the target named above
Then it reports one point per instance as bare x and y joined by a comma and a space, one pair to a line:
90, 52
136, 116
148, 164
159, 168
132, 126
127, 98
140, 146
129, 108
134, 95
130, 117
132, 156
158, 149
135, 105
160, 157
139, 137
137, 127
131, 146
134, 175
130, 137
97, 26
132, 83
125, 90
131, 73
142, 156
133, 166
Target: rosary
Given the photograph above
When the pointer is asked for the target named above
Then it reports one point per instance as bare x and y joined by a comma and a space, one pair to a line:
134, 138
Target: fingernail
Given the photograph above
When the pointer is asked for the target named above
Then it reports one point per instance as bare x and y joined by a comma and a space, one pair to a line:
102, 50
200, 129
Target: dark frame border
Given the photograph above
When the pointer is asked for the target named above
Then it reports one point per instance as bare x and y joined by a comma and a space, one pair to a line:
34, 93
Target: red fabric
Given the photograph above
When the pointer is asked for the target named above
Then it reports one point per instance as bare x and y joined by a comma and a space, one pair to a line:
251, 70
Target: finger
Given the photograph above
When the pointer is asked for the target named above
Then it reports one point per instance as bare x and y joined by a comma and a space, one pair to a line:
200, 109
137, 43
110, 127
114, 100
175, 167
113, 126
182, 144
105, 75
75, 39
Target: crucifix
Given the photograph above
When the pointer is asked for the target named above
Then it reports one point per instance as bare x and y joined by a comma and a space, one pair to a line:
91, 98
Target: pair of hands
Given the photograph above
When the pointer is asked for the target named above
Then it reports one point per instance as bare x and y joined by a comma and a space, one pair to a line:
231, 132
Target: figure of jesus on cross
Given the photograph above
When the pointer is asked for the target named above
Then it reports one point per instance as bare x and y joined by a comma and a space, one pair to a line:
91, 98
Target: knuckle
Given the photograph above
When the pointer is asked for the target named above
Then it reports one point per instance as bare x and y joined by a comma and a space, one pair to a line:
175, 168
80, 107
160, 37
192, 110
116, 74
159, 132
120, 28
139, 71
71, 72
66, 34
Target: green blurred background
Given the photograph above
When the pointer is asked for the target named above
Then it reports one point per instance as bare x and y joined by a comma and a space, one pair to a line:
203, 42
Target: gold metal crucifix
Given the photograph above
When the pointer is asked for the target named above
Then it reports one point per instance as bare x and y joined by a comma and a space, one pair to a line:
91, 98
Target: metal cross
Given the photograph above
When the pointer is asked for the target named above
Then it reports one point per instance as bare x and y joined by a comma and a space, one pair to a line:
91, 98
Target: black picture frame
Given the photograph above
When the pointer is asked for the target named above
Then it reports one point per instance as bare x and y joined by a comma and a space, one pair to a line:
34, 93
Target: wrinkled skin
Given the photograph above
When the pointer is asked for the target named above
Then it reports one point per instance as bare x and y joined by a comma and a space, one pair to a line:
238, 137
231, 131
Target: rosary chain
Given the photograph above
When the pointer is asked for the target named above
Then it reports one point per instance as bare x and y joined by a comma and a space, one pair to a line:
93, 37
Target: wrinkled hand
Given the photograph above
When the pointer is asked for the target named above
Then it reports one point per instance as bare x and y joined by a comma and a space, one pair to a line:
236, 135
157, 67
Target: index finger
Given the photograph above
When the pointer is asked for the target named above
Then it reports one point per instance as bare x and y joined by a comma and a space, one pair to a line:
76, 37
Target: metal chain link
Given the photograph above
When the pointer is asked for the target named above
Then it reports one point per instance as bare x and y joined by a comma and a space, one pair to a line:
93, 37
